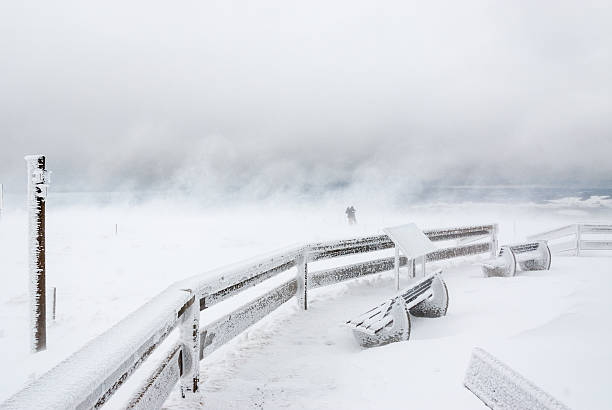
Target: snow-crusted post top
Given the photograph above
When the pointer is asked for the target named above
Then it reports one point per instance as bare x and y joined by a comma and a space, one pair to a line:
38, 180
38, 176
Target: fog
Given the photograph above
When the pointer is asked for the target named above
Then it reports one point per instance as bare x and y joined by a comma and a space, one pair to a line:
306, 97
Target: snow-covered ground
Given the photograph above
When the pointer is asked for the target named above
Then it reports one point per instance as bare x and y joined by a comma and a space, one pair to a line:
551, 326
306, 359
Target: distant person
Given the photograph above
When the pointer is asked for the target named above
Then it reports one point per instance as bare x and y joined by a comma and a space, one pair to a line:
350, 214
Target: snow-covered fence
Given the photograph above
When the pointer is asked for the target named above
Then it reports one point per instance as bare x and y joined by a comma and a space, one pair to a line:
569, 239
463, 236
89, 377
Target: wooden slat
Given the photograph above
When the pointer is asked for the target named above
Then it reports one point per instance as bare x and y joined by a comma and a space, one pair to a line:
595, 245
569, 245
215, 334
459, 232
524, 247
223, 282
596, 229
156, 389
209, 300
423, 292
347, 272
457, 251
555, 233
344, 249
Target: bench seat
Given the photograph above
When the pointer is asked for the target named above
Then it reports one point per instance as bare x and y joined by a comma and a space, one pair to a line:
390, 321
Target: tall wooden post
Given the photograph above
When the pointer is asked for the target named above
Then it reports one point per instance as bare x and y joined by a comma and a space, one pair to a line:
37, 194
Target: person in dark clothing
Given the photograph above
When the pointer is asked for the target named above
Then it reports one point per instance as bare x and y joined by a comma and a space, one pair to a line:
350, 214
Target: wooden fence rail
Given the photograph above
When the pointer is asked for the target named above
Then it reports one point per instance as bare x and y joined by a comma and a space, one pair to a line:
89, 377
568, 239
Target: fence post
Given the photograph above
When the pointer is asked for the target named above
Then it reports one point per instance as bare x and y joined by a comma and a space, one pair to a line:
578, 235
396, 263
423, 268
54, 303
494, 240
302, 279
37, 192
190, 339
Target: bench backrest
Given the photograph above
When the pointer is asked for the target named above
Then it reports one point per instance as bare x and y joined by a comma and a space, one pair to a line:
377, 318
525, 247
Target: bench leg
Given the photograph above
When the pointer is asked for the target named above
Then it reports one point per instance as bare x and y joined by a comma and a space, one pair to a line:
437, 304
506, 269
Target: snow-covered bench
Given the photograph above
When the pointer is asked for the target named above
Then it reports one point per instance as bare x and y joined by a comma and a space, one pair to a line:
528, 256
390, 321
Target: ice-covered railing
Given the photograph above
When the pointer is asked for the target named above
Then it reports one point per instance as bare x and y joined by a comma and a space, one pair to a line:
575, 238
89, 377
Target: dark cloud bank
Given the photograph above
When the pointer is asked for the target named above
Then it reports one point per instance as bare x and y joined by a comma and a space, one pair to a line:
311, 96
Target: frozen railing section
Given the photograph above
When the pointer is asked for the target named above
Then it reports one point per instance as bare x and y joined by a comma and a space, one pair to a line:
463, 235
575, 238
90, 377
469, 240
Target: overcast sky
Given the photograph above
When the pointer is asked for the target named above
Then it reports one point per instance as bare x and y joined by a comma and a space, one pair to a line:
270, 94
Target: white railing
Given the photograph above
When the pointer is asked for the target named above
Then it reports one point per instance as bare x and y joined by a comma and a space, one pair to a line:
570, 239
88, 378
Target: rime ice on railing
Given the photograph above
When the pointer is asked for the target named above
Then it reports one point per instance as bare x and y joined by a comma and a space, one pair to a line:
570, 239
38, 180
89, 377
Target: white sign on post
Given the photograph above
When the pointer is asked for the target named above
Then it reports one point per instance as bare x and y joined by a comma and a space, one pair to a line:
412, 242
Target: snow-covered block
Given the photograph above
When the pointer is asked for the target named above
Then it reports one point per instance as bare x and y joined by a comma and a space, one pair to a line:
390, 321
527, 256
500, 387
